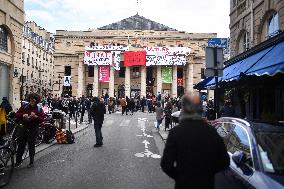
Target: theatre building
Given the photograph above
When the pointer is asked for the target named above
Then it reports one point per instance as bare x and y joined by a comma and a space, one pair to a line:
132, 57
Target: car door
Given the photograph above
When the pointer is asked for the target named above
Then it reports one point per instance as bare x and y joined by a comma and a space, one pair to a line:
239, 141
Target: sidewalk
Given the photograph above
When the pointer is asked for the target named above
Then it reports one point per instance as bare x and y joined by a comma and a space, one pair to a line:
163, 133
80, 127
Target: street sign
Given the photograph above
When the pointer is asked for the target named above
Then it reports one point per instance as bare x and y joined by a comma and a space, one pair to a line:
209, 56
218, 42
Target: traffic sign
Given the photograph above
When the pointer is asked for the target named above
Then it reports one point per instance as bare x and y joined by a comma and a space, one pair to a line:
218, 42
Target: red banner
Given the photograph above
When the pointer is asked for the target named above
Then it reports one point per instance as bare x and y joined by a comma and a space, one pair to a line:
103, 74
134, 58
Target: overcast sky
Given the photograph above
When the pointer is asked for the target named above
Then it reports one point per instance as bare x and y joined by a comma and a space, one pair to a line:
203, 16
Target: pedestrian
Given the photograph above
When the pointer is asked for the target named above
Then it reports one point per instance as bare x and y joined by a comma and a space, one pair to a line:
71, 106
110, 105
131, 106
98, 111
194, 152
123, 105
30, 115
143, 104
5, 109
127, 105
159, 115
227, 110
82, 109
168, 114
88, 108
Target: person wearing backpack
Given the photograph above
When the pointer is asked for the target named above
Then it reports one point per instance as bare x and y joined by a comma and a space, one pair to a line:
31, 115
98, 110
5, 109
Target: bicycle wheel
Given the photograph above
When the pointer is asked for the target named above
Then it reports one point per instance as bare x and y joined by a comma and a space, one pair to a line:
6, 165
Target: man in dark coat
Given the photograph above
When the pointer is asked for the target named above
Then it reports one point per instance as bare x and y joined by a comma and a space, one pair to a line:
194, 151
98, 110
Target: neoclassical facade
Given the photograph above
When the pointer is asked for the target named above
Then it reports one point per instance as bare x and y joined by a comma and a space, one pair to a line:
11, 25
253, 22
37, 60
134, 33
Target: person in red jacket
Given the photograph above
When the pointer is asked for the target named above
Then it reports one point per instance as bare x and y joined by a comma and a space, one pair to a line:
31, 115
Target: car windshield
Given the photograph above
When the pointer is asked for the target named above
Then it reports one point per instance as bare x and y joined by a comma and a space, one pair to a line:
271, 148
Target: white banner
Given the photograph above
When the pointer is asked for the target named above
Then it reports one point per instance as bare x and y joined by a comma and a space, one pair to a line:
67, 81
99, 58
166, 55
90, 54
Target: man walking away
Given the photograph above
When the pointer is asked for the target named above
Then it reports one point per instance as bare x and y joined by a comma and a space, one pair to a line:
143, 104
194, 151
159, 115
88, 107
98, 110
123, 105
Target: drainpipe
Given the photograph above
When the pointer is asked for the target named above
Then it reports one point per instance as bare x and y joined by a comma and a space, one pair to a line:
251, 24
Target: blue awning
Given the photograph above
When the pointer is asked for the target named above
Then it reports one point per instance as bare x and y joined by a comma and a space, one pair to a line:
268, 61
271, 64
201, 85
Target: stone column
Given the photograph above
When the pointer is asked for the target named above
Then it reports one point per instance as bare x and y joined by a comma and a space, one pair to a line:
143, 81
127, 81
96, 82
174, 83
80, 79
111, 82
159, 79
189, 75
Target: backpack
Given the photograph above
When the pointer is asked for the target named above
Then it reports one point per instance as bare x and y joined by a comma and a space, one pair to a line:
70, 138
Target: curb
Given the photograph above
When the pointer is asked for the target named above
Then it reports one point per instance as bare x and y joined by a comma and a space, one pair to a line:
75, 131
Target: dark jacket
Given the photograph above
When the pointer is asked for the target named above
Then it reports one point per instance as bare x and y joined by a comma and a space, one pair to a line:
98, 110
194, 152
31, 123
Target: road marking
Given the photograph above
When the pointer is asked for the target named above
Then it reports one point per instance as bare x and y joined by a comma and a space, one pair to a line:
125, 123
147, 154
145, 142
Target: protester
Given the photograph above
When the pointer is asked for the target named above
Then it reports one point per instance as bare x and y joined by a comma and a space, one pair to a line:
30, 115
159, 115
131, 106
194, 151
98, 110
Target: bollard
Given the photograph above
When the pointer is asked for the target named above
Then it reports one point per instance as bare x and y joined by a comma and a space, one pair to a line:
76, 119
69, 123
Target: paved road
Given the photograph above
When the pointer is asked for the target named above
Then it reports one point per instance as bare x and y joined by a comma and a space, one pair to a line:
123, 162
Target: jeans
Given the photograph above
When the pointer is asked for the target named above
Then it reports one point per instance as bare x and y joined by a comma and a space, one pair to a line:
159, 122
98, 130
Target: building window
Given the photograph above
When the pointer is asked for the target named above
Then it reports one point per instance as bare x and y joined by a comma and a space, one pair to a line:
28, 59
90, 71
3, 39
67, 71
23, 58
202, 73
273, 25
122, 72
246, 41
136, 72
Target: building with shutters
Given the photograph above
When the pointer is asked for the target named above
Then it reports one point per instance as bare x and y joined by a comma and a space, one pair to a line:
11, 25
134, 34
37, 60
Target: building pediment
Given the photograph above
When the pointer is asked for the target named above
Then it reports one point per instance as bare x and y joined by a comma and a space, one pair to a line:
137, 22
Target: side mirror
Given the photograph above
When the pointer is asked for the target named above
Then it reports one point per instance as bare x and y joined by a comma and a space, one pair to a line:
239, 158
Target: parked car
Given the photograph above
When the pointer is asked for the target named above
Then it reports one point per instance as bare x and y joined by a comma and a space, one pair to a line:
256, 151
